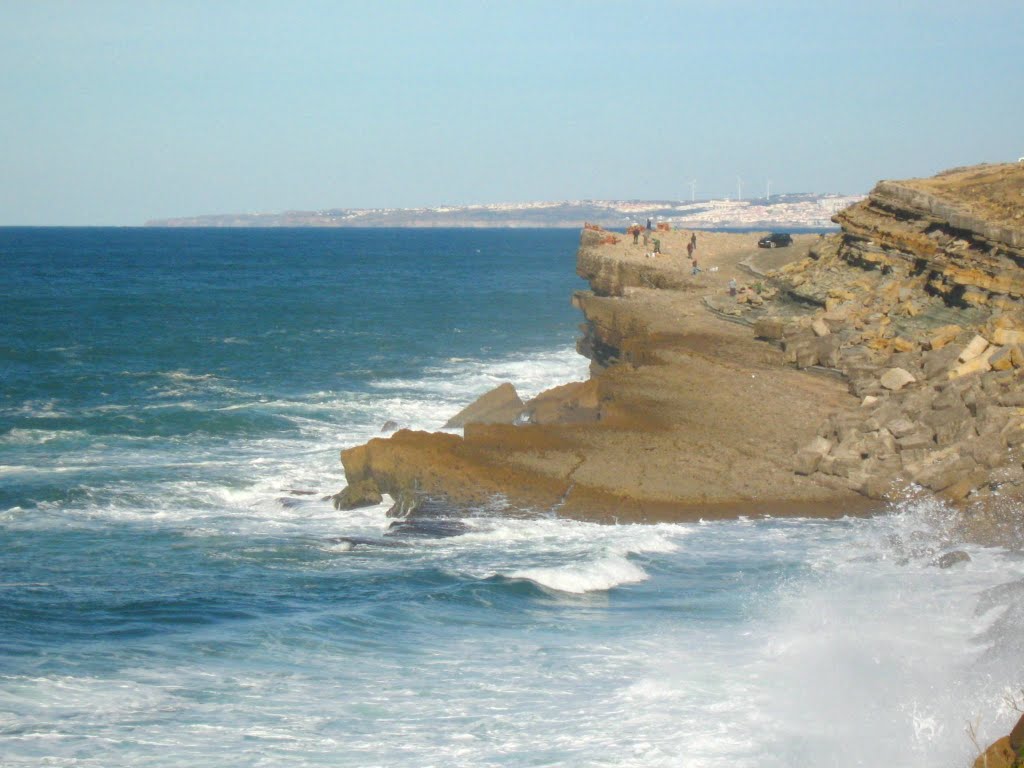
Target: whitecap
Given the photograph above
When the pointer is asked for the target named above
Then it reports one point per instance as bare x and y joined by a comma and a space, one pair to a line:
579, 578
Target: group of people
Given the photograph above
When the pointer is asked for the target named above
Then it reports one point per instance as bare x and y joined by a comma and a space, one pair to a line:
691, 246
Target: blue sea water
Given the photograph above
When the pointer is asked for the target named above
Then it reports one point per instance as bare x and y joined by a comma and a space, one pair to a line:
173, 590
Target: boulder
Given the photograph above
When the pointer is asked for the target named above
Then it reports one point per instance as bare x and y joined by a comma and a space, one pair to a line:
1017, 736
1002, 359
820, 327
769, 328
974, 365
900, 344
974, 348
920, 438
988, 451
950, 559
901, 426
938, 361
896, 378
999, 755
827, 350
389, 426
1013, 399
942, 475
943, 336
362, 493
499, 406
1004, 336
809, 457
1017, 356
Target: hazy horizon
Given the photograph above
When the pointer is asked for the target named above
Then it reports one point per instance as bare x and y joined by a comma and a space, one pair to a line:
118, 113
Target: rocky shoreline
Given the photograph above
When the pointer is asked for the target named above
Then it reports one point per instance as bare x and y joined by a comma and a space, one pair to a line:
831, 377
857, 368
685, 416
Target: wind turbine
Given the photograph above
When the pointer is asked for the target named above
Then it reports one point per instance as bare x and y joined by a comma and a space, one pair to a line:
768, 190
739, 189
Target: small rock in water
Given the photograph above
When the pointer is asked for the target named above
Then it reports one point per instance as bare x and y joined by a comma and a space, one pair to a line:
389, 426
952, 558
363, 493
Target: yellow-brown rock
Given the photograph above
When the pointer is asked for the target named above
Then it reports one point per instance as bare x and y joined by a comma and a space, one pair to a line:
999, 755
577, 401
501, 405
1002, 359
1008, 336
684, 415
943, 336
975, 348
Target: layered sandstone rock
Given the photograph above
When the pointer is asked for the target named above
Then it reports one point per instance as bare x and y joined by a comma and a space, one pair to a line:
923, 296
916, 308
684, 416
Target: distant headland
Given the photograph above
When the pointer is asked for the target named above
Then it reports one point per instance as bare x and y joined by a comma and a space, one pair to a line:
793, 211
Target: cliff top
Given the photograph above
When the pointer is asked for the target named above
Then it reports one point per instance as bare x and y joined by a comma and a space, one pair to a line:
993, 193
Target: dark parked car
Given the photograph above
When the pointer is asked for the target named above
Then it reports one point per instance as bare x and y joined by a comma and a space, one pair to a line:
775, 240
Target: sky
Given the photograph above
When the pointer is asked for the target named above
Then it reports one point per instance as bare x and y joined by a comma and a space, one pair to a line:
114, 113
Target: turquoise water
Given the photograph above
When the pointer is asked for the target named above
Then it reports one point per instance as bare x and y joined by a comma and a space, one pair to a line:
173, 591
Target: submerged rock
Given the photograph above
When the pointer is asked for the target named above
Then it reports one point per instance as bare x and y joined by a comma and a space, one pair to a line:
949, 559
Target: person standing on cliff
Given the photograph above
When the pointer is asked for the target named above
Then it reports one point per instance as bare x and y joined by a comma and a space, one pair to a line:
635, 229
689, 250
648, 225
693, 241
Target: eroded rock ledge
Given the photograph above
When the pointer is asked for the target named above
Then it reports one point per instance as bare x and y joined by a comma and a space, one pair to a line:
684, 415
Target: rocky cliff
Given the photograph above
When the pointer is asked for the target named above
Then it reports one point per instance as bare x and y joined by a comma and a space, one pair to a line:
919, 304
882, 361
684, 415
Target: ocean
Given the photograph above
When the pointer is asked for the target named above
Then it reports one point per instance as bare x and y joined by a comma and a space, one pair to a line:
175, 590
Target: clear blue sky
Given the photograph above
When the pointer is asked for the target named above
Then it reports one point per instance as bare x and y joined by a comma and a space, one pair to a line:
117, 112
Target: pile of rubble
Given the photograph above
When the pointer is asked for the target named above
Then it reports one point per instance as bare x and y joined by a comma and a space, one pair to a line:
920, 305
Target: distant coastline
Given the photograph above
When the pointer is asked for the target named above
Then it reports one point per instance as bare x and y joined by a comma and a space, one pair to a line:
804, 211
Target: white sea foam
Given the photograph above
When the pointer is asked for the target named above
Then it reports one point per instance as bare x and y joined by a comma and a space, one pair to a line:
577, 578
39, 436
463, 379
